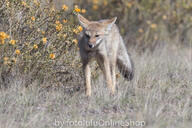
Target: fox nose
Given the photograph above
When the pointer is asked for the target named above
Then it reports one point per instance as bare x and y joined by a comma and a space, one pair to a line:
90, 45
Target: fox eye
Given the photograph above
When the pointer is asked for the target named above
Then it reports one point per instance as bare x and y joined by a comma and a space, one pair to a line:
96, 35
87, 35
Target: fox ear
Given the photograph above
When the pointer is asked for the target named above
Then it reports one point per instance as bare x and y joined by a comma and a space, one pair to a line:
83, 21
109, 23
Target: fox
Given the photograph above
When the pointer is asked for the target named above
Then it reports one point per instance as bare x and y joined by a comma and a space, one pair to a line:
101, 41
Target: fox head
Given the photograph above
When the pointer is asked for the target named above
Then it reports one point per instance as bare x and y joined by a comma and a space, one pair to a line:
95, 31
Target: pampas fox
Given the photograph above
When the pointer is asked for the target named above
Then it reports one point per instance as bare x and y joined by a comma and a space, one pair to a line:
101, 40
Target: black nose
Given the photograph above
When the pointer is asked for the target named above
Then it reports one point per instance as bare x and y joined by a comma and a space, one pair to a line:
90, 45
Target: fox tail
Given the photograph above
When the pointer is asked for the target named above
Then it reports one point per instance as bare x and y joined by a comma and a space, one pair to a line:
125, 64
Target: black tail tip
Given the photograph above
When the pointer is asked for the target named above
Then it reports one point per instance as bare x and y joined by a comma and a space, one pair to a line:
129, 75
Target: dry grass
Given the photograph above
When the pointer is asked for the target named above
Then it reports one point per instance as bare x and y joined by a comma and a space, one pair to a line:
160, 95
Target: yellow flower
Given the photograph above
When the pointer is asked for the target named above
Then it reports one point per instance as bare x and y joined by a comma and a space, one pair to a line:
141, 30
95, 7
52, 56
12, 42
59, 27
65, 21
57, 22
153, 26
17, 51
44, 40
83, 11
75, 41
77, 10
35, 46
64, 7
80, 28
24, 3
33, 18
3, 36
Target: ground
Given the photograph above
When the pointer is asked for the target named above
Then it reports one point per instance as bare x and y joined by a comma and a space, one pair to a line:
159, 96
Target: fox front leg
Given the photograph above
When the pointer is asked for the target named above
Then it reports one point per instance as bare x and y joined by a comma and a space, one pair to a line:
87, 74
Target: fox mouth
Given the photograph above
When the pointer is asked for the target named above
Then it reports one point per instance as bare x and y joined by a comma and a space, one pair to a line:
98, 42
90, 45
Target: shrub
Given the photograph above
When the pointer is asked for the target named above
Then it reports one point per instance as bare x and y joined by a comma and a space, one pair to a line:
36, 39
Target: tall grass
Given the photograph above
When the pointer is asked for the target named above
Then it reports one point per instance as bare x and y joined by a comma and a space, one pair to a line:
160, 95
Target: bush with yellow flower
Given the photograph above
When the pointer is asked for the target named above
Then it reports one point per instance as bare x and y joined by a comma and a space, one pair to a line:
38, 38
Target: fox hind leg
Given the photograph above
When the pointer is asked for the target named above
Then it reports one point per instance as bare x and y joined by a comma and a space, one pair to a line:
108, 76
105, 67
113, 73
